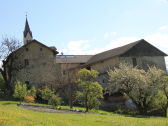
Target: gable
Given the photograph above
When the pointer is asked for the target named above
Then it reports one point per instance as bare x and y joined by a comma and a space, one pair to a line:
137, 48
35, 49
144, 48
42, 45
22, 49
36, 44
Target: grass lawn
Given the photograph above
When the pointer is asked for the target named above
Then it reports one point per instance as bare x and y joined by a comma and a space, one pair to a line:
12, 115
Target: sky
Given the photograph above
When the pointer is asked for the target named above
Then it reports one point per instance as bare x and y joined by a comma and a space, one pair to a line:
87, 26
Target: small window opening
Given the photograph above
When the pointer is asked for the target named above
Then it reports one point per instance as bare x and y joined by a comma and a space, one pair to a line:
27, 49
134, 61
63, 72
26, 61
41, 49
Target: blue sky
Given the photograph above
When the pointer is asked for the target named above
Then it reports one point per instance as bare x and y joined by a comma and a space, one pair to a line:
87, 26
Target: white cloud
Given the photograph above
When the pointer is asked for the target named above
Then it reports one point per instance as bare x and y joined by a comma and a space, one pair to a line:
159, 40
109, 34
163, 27
120, 42
76, 47
113, 44
84, 47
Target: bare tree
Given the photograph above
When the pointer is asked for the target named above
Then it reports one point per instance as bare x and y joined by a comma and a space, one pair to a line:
66, 80
7, 47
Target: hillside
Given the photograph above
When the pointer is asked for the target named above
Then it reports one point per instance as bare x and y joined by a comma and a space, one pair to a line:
12, 115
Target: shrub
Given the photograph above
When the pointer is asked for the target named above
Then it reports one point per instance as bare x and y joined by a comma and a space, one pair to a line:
32, 92
46, 93
39, 98
29, 99
20, 91
159, 104
54, 100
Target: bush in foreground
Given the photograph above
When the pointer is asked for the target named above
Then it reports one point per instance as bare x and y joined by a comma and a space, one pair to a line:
50, 96
29, 99
55, 100
20, 91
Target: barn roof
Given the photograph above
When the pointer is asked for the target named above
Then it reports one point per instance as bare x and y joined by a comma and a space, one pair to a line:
137, 48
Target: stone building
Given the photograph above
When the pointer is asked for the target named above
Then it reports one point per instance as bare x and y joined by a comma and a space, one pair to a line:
33, 63
38, 64
140, 53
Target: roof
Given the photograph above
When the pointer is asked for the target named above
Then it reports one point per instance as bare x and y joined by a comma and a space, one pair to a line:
72, 58
27, 29
132, 49
53, 50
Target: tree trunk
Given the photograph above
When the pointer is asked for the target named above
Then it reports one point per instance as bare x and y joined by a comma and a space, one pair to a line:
165, 112
86, 104
87, 108
70, 96
142, 110
7, 77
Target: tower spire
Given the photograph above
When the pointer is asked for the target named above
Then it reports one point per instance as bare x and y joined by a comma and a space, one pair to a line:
27, 34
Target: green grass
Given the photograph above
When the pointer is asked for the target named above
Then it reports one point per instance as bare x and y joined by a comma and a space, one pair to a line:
12, 115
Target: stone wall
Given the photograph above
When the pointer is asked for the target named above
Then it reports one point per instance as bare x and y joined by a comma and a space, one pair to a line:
104, 66
65, 66
39, 69
144, 61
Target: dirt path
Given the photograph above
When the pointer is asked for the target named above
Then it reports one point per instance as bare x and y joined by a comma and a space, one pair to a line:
49, 110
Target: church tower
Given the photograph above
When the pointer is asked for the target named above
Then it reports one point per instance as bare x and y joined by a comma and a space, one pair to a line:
27, 34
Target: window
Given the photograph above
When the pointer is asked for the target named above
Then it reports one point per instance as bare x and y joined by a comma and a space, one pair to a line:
63, 72
41, 49
27, 49
26, 61
134, 62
